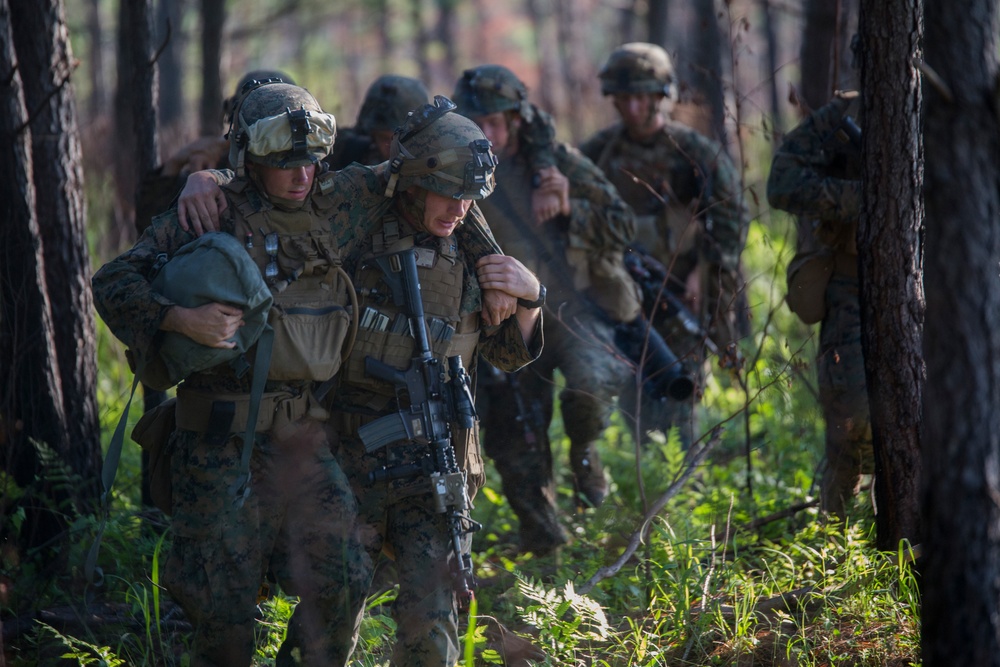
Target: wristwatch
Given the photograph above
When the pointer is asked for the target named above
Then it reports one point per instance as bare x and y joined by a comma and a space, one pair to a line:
537, 303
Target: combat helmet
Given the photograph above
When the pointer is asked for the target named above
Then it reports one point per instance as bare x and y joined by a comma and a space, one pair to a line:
279, 125
229, 104
388, 100
441, 151
638, 67
490, 89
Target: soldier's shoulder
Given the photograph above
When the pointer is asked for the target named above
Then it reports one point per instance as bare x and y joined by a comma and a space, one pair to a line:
599, 139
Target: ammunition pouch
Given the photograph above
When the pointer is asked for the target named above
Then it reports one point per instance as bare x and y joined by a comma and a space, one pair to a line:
218, 415
152, 432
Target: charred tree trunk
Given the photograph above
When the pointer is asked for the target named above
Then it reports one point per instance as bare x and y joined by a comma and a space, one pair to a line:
169, 14
421, 40
708, 73
961, 570
142, 85
98, 100
892, 298
579, 79
46, 63
213, 19
657, 22
31, 399
549, 94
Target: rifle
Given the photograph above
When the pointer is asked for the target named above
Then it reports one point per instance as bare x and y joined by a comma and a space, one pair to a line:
658, 302
434, 403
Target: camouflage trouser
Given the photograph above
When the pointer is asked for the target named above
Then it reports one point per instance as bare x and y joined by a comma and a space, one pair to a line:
585, 354
841, 372
398, 518
299, 520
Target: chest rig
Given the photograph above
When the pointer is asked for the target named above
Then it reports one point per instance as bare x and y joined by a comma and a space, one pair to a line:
667, 217
300, 260
383, 327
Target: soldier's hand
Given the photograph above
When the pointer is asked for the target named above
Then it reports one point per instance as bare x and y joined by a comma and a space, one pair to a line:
551, 197
213, 324
497, 306
200, 204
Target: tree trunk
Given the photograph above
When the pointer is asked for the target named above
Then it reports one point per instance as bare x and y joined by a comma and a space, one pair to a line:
421, 40
31, 400
818, 37
447, 35
770, 73
550, 76
213, 19
892, 298
577, 75
98, 99
169, 36
657, 21
961, 570
46, 63
708, 74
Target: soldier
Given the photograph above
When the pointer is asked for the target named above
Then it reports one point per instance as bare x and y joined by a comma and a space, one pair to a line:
690, 214
299, 518
423, 198
159, 186
576, 248
816, 174
388, 100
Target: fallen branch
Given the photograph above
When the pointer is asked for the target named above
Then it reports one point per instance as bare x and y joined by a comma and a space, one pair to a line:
723, 535
693, 462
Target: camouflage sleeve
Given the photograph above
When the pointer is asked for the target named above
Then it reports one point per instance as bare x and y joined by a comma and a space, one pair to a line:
475, 236
799, 182
599, 218
537, 139
122, 292
594, 146
504, 347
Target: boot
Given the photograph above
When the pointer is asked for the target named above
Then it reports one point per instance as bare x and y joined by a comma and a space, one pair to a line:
588, 473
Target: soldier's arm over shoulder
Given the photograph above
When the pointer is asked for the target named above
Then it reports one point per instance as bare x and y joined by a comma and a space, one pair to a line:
798, 183
598, 216
475, 237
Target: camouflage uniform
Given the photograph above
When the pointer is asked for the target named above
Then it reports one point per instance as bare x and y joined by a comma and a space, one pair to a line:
690, 213
811, 177
398, 516
579, 337
300, 511
386, 103
157, 190
355, 199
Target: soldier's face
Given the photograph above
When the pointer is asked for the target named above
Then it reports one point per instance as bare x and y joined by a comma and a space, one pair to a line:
294, 183
497, 128
639, 111
442, 214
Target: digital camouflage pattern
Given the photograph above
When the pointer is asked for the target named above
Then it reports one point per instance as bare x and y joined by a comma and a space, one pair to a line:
490, 89
638, 67
388, 100
299, 519
440, 151
578, 340
291, 141
385, 106
809, 177
691, 217
398, 516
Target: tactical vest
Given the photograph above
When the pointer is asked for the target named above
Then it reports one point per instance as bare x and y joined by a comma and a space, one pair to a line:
666, 226
299, 257
384, 330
